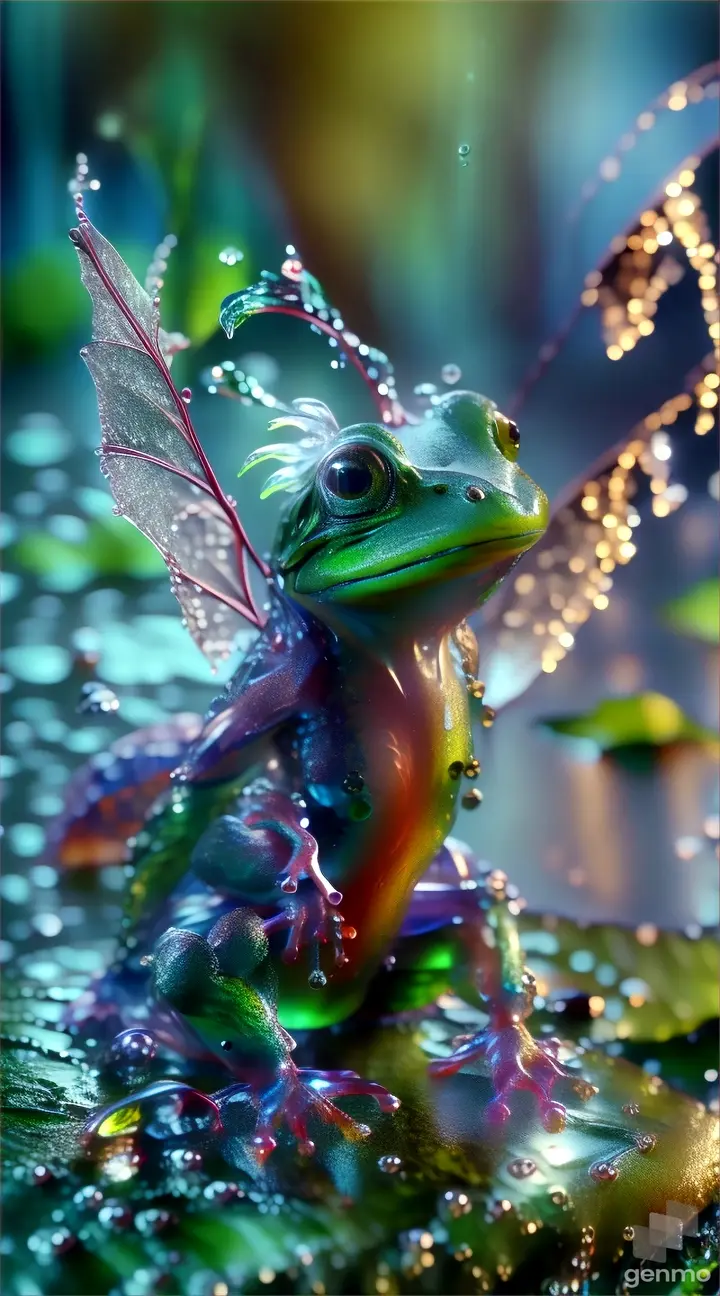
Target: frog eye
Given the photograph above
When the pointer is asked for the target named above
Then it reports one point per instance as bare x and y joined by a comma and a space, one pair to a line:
507, 437
355, 479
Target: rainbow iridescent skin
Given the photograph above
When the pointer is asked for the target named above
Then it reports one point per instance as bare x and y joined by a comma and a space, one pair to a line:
355, 700
303, 840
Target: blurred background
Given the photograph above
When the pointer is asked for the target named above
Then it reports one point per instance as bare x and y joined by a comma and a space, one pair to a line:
451, 173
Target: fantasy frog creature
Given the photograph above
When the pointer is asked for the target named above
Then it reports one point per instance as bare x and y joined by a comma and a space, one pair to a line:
308, 819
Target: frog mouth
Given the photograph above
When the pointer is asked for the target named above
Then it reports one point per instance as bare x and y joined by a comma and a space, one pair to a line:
500, 546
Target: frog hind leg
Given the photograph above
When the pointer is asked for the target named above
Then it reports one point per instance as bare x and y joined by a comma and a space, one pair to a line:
223, 988
459, 894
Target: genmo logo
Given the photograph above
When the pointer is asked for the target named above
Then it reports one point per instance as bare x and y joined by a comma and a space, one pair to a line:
663, 1233
687, 1278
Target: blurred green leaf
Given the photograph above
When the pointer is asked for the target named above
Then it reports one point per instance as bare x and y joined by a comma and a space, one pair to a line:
42, 301
696, 613
111, 547
645, 719
209, 281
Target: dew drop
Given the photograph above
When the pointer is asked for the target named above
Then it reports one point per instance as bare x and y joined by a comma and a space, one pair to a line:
471, 800
390, 1164
603, 1172
133, 1048
645, 1142
522, 1168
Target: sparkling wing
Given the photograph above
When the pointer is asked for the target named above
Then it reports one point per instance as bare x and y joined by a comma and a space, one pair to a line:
531, 623
158, 472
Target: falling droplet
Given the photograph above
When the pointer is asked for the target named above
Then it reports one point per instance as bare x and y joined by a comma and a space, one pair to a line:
390, 1164
463, 153
186, 395
450, 374
522, 1168
628, 1232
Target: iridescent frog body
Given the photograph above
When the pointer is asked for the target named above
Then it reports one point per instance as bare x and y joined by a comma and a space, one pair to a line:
304, 836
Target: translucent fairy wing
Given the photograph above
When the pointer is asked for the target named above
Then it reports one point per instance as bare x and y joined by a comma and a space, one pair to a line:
530, 625
157, 470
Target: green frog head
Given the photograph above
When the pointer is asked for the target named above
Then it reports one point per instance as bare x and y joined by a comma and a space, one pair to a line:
413, 530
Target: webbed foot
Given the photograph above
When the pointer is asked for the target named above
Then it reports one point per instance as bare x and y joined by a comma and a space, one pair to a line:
297, 1096
516, 1061
310, 921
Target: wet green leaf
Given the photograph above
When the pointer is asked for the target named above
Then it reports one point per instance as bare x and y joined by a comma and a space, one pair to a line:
648, 984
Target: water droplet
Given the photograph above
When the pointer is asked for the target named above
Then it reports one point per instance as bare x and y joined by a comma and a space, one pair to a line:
187, 1159
390, 1164
186, 395
230, 256
450, 374
353, 782
162, 1110
463, 153
645, 1142
132, 1049
603, 1172
628, 1232
455, 1203
522, 1168
471, 800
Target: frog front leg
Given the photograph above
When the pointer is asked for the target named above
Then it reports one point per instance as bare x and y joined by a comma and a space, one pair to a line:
478, 902
264, 848
223, 989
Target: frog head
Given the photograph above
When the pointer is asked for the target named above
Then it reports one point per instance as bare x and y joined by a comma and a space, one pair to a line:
412, 531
